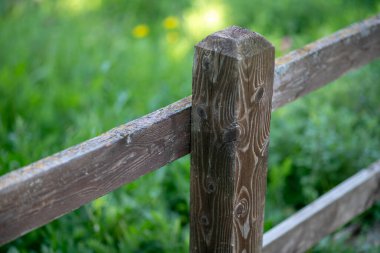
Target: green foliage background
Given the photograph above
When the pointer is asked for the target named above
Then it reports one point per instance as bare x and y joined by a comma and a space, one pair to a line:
69, 73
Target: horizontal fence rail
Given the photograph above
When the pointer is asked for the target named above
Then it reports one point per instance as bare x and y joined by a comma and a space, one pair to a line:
51, 187
329, 212
38, 193
317, 64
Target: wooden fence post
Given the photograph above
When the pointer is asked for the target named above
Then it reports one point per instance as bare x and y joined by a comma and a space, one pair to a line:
232, 96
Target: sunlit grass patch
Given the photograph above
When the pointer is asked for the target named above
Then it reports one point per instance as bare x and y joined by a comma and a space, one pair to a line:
79, 6
204, 19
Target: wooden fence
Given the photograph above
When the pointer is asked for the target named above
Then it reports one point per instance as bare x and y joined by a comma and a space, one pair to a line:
234, 78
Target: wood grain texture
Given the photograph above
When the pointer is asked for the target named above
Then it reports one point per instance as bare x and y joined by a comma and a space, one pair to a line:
355, 45
301, 231
36, 194
306, 69
232, 94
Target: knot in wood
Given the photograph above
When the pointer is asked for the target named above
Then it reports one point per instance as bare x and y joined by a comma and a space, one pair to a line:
258, 94
204, 220
206, 61
210, 186
230, 135
241, 208
201, 112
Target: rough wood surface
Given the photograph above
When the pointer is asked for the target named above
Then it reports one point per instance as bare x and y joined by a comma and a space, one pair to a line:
301, 231
323, 61
356, 45
33, 196
232, 95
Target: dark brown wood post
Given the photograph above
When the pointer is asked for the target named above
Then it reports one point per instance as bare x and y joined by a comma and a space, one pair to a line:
232, 96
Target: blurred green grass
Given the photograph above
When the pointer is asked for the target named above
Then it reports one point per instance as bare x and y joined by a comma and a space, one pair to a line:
70, 70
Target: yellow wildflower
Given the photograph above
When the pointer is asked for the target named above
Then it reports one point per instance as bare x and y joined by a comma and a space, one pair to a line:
171, 22
172, 37
140, 31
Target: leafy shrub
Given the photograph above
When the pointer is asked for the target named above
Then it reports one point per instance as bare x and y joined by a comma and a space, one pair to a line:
52, 55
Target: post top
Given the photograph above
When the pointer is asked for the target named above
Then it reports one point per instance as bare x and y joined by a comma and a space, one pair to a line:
235, 42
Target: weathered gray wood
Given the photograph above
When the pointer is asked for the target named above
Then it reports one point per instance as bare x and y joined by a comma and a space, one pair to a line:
305, 228
323, 61
56, 185
361, 40
232, 95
